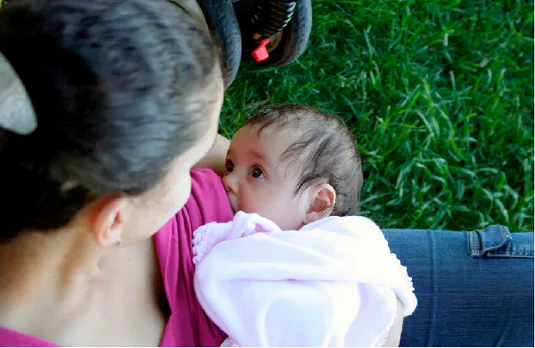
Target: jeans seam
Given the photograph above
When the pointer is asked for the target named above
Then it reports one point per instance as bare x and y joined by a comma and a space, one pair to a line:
502, 248
478, 248
501, 229
473, 247
517, 255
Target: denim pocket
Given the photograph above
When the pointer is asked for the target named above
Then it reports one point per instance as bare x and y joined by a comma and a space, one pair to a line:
497, 241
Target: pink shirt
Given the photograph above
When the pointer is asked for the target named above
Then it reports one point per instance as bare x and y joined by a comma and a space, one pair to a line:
188, 325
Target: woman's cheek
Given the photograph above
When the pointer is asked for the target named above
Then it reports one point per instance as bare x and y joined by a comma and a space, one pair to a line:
184, 191
173, 194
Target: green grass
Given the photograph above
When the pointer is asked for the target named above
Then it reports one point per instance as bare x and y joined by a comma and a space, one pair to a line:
440, 96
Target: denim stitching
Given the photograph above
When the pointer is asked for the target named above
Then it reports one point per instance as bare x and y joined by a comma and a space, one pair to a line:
503, 248
505, 243
509, 249
470, 243
511, 253
515, 255
478, 244
501, 229
473, 248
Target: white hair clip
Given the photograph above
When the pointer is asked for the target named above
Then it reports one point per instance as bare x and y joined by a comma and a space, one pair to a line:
16, 110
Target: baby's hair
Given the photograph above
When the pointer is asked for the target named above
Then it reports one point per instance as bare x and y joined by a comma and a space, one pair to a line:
324, 148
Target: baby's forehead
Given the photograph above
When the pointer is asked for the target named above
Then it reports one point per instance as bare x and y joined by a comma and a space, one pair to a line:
270, 142
283, 146
272, 138
274, 134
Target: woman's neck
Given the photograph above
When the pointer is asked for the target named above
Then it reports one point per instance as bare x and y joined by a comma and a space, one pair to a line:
63, 288
53, 269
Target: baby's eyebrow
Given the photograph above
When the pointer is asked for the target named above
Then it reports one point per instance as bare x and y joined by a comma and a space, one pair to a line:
260, 156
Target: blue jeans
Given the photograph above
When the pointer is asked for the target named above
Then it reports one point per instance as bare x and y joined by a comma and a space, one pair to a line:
473, 288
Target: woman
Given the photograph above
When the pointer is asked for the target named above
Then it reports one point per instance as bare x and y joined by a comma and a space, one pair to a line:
126, 96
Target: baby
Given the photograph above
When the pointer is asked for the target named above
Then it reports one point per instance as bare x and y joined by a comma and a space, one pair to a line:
296, 266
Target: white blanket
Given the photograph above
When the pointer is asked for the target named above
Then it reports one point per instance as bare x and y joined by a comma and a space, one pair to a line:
332, 283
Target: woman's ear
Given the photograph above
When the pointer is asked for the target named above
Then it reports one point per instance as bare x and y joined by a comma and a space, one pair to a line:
107, 217
322, 200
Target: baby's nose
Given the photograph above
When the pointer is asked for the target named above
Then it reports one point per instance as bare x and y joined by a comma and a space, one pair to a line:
229, 181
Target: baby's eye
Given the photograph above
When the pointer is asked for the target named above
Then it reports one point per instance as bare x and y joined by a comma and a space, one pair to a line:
229, 167
257, 173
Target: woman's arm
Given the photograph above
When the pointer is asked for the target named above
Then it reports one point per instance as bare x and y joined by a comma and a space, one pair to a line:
215, 158
394, 335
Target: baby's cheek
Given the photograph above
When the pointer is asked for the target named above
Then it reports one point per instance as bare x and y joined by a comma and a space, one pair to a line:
281, 214
247, 204
291, 216
255, 205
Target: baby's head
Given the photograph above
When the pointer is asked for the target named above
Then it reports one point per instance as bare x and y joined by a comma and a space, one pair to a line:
294, 165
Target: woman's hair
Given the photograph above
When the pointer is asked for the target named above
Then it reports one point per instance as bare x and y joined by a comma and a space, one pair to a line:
117, 87
325, 151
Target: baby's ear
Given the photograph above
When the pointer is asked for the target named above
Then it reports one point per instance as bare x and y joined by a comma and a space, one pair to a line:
322, 200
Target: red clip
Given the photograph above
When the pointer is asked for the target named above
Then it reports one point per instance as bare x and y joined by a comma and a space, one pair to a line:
261, 53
